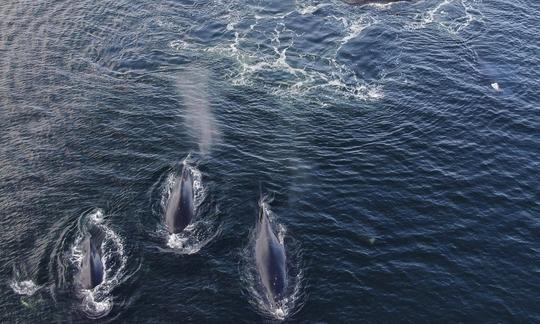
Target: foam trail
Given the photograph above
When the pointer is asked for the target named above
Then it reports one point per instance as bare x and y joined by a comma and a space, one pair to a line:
192, 84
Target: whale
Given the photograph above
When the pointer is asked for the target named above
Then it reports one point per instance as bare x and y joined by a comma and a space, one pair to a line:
270, 257
364, 2
492, 76
180, 207
91, 273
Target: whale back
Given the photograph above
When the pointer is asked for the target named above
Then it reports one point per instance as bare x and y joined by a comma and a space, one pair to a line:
92, 265
270, 258
180, 207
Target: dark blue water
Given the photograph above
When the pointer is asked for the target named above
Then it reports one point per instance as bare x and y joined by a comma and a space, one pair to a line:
400, 144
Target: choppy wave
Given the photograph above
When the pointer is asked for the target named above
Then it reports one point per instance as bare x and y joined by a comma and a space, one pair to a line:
253, 287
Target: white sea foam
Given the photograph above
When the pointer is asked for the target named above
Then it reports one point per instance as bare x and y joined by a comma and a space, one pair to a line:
95, 306
452, 16
179, 45
309, 9
193, 238
421, 20
353, 29
298, 73
24, 287
22, 282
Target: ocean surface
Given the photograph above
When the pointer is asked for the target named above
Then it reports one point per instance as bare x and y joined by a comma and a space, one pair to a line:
398, 145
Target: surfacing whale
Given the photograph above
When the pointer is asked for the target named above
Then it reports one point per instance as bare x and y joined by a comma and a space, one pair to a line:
180, 207
91, 273
364, 2
270, 257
